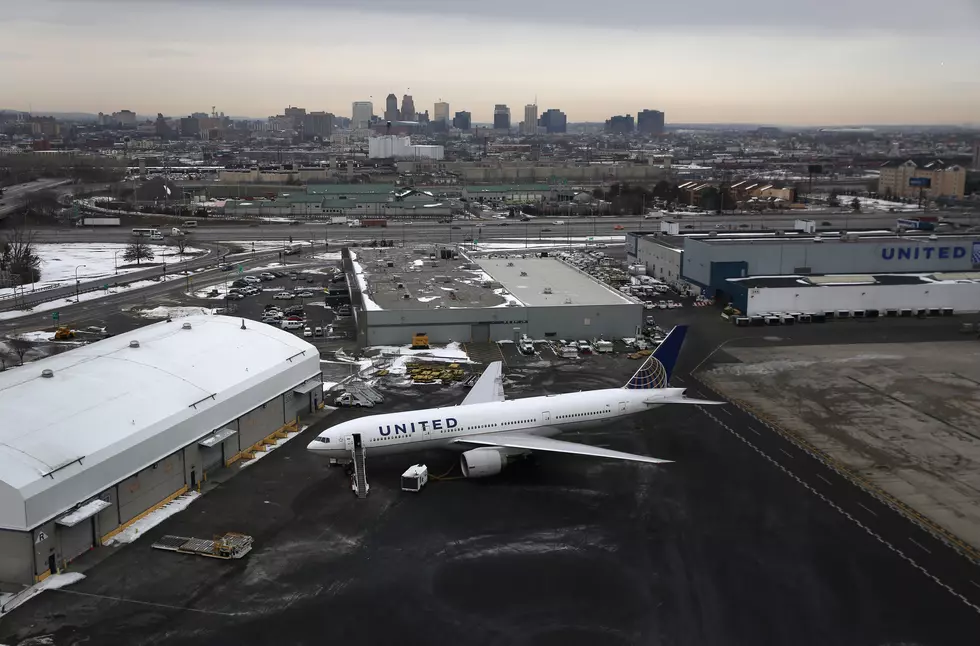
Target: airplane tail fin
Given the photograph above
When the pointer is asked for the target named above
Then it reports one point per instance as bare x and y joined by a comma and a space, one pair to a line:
656, 370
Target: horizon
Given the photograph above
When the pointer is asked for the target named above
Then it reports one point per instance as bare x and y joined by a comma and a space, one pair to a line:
760, 64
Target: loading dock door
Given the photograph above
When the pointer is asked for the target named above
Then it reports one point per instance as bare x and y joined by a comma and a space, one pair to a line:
480, 333
77, 539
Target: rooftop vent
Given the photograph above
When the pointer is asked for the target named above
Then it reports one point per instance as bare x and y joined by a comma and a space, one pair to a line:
134, 343
47, 373
523, 273
817, 239
933, 236
547, 290
510, 264
185, 326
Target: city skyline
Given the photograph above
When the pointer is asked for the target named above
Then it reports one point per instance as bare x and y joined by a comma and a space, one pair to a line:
835, 66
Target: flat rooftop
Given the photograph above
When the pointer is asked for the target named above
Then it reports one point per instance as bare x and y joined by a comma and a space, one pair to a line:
417, 281
541, 282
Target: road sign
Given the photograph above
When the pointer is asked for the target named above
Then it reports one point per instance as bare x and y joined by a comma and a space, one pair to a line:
920, 182
54, 316
241, 269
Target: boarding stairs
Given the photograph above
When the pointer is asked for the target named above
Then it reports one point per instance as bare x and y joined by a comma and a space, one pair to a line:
359, 481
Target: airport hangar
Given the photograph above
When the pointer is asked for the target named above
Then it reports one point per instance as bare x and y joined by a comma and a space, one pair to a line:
94, 438
481, 298
795, 272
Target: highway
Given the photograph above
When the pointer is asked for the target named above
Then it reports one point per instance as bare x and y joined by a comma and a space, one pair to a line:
13, 196
542, 227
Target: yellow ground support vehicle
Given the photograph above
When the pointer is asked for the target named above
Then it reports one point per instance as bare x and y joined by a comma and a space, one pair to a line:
64, 333
420, 341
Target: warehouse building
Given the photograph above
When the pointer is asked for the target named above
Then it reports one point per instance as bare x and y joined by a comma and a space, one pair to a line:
481, 299
911, 271
94, 438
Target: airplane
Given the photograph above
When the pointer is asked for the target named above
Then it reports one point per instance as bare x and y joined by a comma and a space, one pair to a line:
493, 432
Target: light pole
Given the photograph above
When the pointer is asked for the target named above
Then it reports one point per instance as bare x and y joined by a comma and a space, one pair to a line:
77, 294
115, 262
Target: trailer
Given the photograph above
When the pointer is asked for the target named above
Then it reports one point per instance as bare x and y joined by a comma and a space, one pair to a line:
415, 478
99, 222
337, 219
374, 222
229, 546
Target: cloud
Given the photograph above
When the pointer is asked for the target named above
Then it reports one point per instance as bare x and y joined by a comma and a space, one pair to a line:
801, 15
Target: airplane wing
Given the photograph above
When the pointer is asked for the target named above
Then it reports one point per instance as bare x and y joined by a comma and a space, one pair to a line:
537, 443
488, 388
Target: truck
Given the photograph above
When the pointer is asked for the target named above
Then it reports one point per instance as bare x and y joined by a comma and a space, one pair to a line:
350, 400
99, 222
293, 248
918, 224
368, 222
337, 219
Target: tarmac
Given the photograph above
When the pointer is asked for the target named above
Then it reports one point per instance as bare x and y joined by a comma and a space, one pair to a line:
743, 539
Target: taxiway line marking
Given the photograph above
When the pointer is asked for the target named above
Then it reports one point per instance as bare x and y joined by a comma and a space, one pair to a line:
824, 479
975, 583
867, 510
726, 411
787, 453
753, 430
920, 546
144, 603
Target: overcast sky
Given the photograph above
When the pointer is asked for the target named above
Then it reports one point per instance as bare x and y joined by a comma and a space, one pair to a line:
805, 62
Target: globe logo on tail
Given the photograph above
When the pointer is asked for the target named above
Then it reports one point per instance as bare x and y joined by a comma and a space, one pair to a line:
651, 374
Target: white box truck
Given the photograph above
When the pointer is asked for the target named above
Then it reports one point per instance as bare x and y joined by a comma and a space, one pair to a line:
99, 222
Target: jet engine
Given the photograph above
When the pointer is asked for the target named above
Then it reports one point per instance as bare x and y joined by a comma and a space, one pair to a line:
479, 463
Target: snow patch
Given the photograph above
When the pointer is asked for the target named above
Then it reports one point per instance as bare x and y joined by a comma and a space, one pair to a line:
153, 519
53, 582
402, 355
163, 312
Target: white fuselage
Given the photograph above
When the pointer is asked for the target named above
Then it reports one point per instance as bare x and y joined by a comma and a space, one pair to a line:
438, 427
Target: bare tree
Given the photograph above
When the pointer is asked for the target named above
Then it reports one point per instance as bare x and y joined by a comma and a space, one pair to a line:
138, 250
6, 357
19, 347
18, 256
181, 243
41, 203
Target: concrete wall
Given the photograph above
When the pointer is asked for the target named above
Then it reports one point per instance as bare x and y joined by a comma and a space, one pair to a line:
151, 485
395, 327
16, 560
257, 424
662, 262
918, 254
962, 297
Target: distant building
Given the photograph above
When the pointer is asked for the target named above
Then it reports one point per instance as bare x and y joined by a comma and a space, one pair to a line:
501, 117
295, 116
622, 125
190, 127
650, 122
463, 120
440, 112
976, 155
530, 125
395, 147
317, 124
554, 121
945, 180
391, 108
362, 112
121, 119
408, 108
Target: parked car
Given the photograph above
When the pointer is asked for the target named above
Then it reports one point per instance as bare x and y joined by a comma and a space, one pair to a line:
235, 296
318, 331
241, 282
252, 279
292, 324
307, 332
266, 276
285, 296
293, 276
226, 267
304, 295
252, 291
294, 309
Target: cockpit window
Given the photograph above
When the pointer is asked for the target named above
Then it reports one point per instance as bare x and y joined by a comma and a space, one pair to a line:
325, 440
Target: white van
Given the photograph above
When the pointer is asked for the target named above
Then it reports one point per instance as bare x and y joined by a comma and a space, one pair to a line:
292, 325
190, 224
156, 235
176, 232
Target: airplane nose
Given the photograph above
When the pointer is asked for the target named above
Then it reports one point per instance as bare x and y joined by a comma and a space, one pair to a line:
314, 446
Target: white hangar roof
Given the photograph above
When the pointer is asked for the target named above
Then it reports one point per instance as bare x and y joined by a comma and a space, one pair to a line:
109, 410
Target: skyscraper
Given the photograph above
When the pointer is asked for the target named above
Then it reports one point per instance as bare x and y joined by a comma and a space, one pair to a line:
650, 122
620, 125
501, 117
530, 125
361, 114
554, 121
317, 124
440, 112
462, 120
391, 108
408, 108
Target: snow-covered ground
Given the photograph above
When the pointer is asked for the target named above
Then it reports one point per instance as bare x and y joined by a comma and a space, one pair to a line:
51, 583
90, 296
153, 519
362, 284
58, 262
272, 447
519, 244
259, 245
163, 312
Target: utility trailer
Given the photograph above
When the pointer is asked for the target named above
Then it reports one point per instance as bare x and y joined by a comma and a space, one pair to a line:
229, 546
